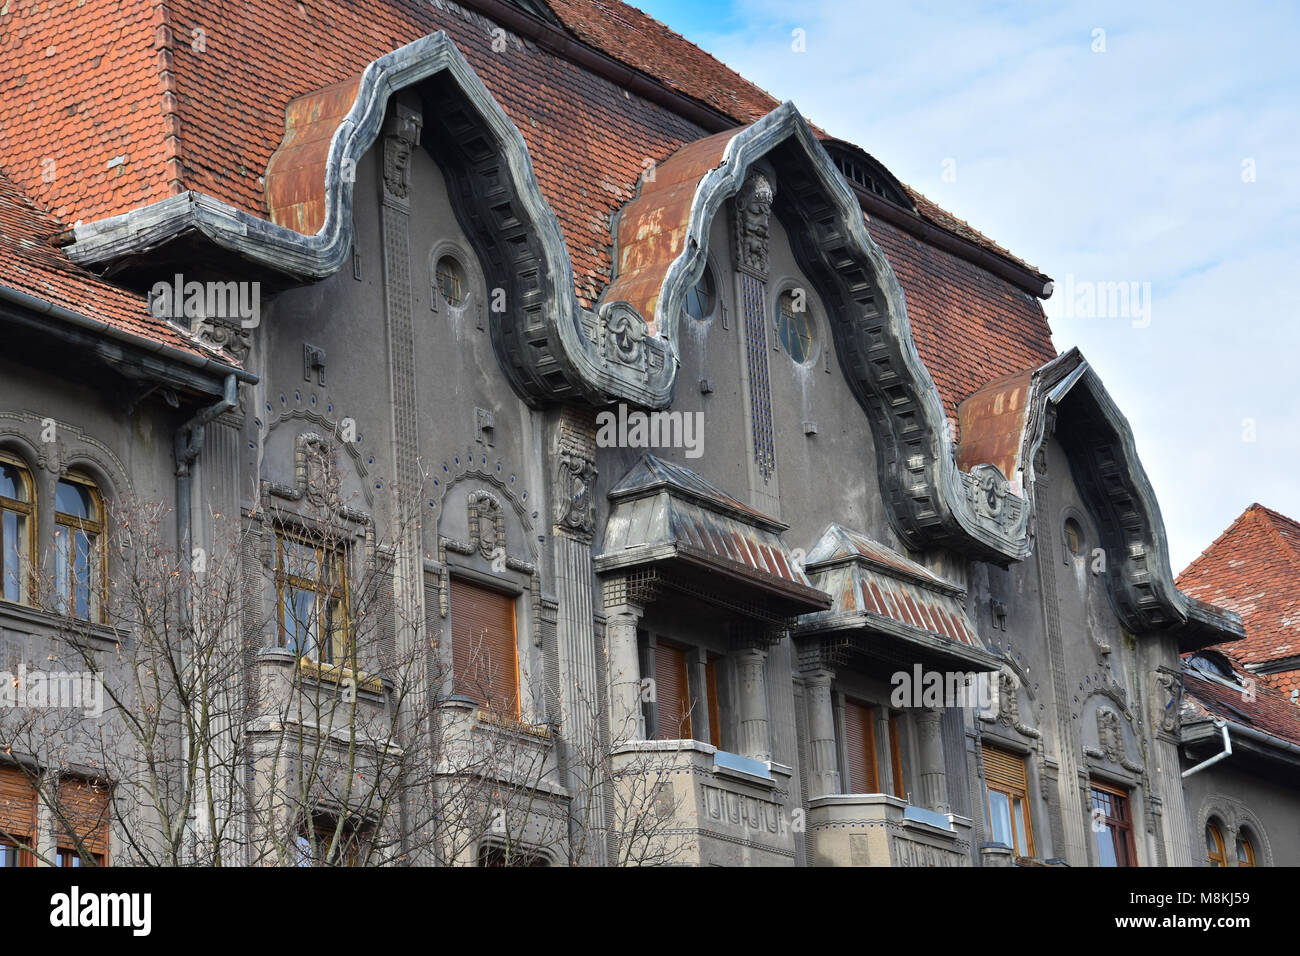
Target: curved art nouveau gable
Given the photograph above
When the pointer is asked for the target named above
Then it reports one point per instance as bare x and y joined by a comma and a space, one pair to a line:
663, 248
1108, 472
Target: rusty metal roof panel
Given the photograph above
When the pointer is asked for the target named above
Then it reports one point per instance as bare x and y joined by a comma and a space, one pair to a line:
875, 587
661, 511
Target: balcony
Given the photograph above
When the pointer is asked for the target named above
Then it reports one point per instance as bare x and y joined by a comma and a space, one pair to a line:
686, 803
875, 829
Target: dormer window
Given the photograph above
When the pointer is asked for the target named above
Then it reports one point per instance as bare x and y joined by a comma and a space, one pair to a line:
866, 175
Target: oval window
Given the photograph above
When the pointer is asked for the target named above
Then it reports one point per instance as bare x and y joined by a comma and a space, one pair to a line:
794, 325
702, 297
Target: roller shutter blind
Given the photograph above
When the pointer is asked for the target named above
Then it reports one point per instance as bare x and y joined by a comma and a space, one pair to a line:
84, 805
672, 693
17, 806
1004, 770
484, 652
860, 745
1008, 799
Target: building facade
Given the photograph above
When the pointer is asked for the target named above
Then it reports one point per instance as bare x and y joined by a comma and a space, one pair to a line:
1241, 721
517, 439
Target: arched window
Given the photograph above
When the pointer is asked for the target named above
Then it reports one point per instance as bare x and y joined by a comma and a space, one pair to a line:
1214, 844
794, 325
78, 547
1245, 849
1073, 534
449, 277
16, 532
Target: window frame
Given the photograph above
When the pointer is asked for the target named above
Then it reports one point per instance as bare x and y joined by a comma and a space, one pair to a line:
461, 277
713, 703
809, 356
870, 758
1012, 790
1121, 798
316, 833
703, 676
1244, 840
98, 588
459, 577
715, 295
21, 855
1220, 856
27, 513
686, 719
70, 858
342, 647
1072, 528
896, 754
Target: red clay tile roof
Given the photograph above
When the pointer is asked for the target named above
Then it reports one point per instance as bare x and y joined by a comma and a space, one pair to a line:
135, 100
30, 263
1271, 711
644, 43
1253, 568
970, 327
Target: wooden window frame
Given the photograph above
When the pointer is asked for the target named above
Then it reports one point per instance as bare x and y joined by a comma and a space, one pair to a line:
65, 856
1012, 789
896, 755
1113, 823
97, 589
318, 833
493, 853
26, 512
24, 856
700, 698
341, 647
711, 698
1219, 856
1244, 840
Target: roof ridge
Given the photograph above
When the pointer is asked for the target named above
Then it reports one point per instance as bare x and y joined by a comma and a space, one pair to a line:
169, 104
1262, 512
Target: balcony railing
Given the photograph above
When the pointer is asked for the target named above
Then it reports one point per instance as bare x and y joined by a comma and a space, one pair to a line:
875, 829
687, 803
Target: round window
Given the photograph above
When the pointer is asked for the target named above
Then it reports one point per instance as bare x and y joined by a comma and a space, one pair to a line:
450, 279
701, 297
794, 325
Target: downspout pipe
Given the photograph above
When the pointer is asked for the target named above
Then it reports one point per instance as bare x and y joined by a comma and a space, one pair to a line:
188, 442
1227, 751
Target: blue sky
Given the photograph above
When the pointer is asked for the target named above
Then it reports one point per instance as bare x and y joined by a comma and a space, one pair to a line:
1163, 150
